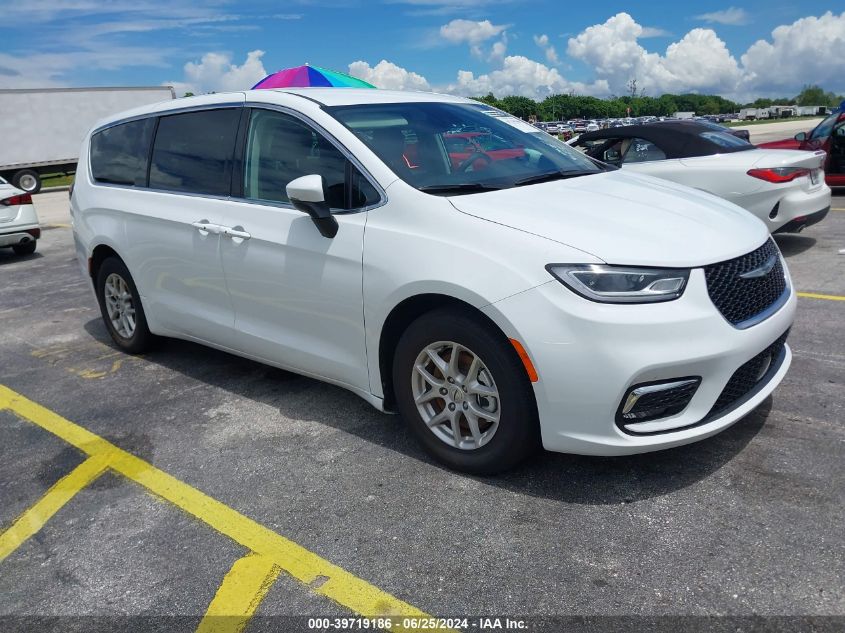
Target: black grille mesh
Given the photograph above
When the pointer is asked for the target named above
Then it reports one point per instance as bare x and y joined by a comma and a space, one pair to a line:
661, 404
740, 299
747, 376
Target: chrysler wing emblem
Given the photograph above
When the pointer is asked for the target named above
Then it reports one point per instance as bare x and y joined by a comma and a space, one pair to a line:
761, 271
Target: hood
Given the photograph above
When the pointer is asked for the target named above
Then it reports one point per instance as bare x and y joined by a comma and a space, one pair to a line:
624, 218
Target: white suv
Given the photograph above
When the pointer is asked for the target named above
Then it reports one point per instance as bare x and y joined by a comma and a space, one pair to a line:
19, 228
498, 297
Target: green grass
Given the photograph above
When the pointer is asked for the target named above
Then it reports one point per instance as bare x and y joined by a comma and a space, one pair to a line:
763, 121
56, 180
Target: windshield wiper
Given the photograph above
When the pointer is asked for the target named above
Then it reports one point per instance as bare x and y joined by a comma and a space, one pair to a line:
551, 175
460, 187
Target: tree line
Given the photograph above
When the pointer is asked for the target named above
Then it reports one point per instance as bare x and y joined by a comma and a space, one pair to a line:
570, 106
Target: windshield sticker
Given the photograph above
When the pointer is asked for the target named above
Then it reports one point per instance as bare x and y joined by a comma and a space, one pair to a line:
511, 120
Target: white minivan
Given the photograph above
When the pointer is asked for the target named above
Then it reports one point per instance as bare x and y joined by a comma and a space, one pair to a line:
440, 259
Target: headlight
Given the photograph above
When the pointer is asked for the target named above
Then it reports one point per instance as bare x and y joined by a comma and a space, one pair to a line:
621, 284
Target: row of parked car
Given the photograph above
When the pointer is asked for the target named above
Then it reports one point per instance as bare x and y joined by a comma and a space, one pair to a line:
498, 288
567, 129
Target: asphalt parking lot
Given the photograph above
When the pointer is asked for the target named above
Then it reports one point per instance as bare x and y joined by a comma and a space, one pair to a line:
199, 479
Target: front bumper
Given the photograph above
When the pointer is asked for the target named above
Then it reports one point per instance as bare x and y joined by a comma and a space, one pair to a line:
588, 355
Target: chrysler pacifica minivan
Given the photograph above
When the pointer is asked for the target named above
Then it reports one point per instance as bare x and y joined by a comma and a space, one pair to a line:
515, 295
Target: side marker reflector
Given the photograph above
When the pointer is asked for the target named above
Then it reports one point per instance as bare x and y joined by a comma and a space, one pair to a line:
526, 360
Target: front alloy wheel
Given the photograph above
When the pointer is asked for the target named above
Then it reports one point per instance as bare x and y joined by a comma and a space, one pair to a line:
464, 392
456, 395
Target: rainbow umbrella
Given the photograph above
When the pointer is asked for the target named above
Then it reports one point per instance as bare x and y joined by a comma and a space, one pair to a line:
310, 77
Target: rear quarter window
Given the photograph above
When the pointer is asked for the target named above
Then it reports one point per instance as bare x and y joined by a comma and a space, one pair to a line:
119, 154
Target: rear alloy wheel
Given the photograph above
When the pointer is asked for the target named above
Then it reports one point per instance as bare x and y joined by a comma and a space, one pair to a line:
120, 305
464, 392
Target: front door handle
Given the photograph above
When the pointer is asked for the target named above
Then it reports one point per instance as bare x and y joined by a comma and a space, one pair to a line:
236, 233
205, 227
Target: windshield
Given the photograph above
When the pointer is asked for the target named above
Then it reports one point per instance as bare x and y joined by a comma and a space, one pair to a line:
726, 139
466, 147
824, 128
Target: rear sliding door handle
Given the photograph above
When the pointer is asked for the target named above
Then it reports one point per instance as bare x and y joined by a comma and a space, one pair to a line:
205, 227
236, 233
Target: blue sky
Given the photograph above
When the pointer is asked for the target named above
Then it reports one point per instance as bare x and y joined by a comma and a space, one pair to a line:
510, 46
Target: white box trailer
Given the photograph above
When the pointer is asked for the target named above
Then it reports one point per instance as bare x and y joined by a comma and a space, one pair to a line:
812, 110
41, 130
750, 114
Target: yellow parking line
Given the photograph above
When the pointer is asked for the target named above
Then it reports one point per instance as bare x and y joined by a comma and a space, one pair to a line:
242, 590
323, 577
53, 500
813, 295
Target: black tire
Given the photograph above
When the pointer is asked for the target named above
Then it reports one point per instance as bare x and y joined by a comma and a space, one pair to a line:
517, 436
25, 176
25, 249
142, 339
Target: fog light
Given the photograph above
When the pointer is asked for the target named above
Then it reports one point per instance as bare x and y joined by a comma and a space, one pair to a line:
655, 400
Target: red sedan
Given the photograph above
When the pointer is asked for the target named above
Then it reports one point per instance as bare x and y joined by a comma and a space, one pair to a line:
829, 135
480, 148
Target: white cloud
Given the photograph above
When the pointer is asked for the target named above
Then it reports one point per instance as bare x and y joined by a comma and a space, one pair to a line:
699, 61
520, 76
810, 50
448, 7
654, 31
497, 52
732, 17
517, 76
473, 33
215, 72
45, 70
388, 76
551, 54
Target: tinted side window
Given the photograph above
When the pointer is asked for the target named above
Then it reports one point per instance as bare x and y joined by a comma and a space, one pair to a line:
281, 148
193, 151
363, 193
119, 154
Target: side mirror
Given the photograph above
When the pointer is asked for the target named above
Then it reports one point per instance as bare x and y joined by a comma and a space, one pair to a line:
801, 136
612, 156
308, 194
